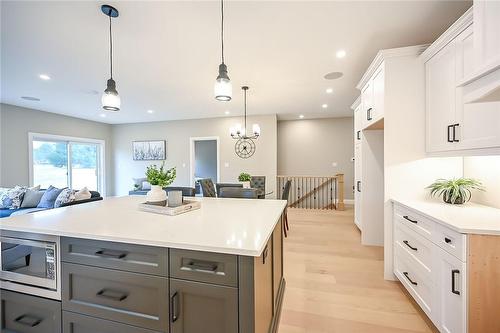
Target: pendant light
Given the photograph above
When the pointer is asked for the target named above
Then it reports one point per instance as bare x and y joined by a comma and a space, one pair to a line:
110, 99
223, 89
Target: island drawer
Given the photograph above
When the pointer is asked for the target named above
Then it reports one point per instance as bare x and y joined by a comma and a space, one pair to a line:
76, 323
126, 257
29, 314
130, 298
206, 267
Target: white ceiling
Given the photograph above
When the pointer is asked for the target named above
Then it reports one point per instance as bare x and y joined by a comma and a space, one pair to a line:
167, 54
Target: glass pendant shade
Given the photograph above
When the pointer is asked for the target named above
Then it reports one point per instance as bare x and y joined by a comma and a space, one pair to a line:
256, 129
110, 98
223, 89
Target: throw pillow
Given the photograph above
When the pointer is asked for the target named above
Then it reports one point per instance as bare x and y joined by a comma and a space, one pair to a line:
146, 186
49, 197
12, 198
66, 195
31, 198
138, 183
83, 194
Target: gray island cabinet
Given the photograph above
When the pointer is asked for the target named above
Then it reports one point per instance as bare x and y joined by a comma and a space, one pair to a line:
108, 286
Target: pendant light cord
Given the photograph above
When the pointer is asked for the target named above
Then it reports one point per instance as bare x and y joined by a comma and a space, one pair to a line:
222, 28
245, 112
110, 46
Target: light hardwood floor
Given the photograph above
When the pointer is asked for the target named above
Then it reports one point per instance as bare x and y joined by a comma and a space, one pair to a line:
335, 284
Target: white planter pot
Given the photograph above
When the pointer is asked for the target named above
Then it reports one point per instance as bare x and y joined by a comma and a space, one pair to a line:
157, 196
245, 184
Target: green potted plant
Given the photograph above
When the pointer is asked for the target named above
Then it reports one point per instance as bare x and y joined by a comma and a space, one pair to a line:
455, 191
158, 177
244, 178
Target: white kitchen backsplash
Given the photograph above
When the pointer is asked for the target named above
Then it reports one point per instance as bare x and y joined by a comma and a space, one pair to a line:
487, 170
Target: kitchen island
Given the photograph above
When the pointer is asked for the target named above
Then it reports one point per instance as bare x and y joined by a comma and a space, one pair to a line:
118, 269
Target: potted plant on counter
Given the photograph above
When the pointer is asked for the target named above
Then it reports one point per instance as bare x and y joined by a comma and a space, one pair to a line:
159, 178
244, 178
455, 191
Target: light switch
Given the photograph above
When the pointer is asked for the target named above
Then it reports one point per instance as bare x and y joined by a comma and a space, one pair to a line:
226, 165
183, 165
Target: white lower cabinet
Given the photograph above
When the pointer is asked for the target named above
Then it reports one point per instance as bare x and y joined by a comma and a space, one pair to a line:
429, 260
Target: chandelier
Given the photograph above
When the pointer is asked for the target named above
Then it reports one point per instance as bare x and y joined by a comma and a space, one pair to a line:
238, 132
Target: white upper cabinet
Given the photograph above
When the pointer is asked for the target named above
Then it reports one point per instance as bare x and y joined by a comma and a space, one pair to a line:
440, 99
372, 98
486, 33
357, 124
367, 103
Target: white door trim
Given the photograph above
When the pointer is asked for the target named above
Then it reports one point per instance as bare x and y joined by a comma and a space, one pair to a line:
192, 140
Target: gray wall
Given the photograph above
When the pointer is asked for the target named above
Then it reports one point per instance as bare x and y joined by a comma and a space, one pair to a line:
309, 147
17, 122
206, 159
178, 134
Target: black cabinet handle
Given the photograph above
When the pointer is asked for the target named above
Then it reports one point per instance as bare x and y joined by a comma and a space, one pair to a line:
174, 304
408, 244
448, 134
409, 279
358, 135
358, 186
201, 266
454, 133
409, 219
447, 240
453, 288
113, 295
28, 320
111, 254
369, 114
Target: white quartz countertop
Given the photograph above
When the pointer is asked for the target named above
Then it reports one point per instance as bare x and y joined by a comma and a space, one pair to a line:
469, 218
233, 226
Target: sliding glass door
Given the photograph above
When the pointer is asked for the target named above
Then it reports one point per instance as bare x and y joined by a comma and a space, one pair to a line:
70, 164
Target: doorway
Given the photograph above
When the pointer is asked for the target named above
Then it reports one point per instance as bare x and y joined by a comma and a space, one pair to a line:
204, 160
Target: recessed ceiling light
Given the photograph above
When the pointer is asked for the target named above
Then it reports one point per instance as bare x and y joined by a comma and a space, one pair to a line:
329, 90
333, 75
151, 111
44, 77
301, 116
324, 106
102, 115
227, 112
341, 54
30, 98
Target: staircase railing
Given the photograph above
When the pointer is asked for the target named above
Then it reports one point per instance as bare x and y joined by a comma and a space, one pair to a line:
314, 192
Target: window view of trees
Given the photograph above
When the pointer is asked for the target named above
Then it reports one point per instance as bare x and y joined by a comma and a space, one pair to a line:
55, 153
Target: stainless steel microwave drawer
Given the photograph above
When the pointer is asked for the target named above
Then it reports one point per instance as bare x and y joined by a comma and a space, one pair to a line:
77, 323
29, 314
126, 297
126, 257
206, 267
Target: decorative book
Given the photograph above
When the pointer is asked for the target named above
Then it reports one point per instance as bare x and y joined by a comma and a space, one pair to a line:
186, 206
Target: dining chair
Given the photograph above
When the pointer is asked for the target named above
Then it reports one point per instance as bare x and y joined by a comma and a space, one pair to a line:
207, 187
235, 192
218, 186
284, 196
186, 191
259, 183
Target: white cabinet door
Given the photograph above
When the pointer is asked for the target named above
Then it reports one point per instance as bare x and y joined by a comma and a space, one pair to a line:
357, 185
367, 104
357, 124
478, 123
486, 32
378, 94
453, 294
440, 99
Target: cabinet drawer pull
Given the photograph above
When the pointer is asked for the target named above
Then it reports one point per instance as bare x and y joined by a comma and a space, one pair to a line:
175, 307
409, 279
369, 114
409, 219
113, 295
453, 287
358, 135
448, 133
201, 267
28, 320
408, 244
454, 133
358, 185
111, 254
447, 240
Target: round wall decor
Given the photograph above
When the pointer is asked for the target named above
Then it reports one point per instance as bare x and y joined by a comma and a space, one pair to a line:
244, 148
